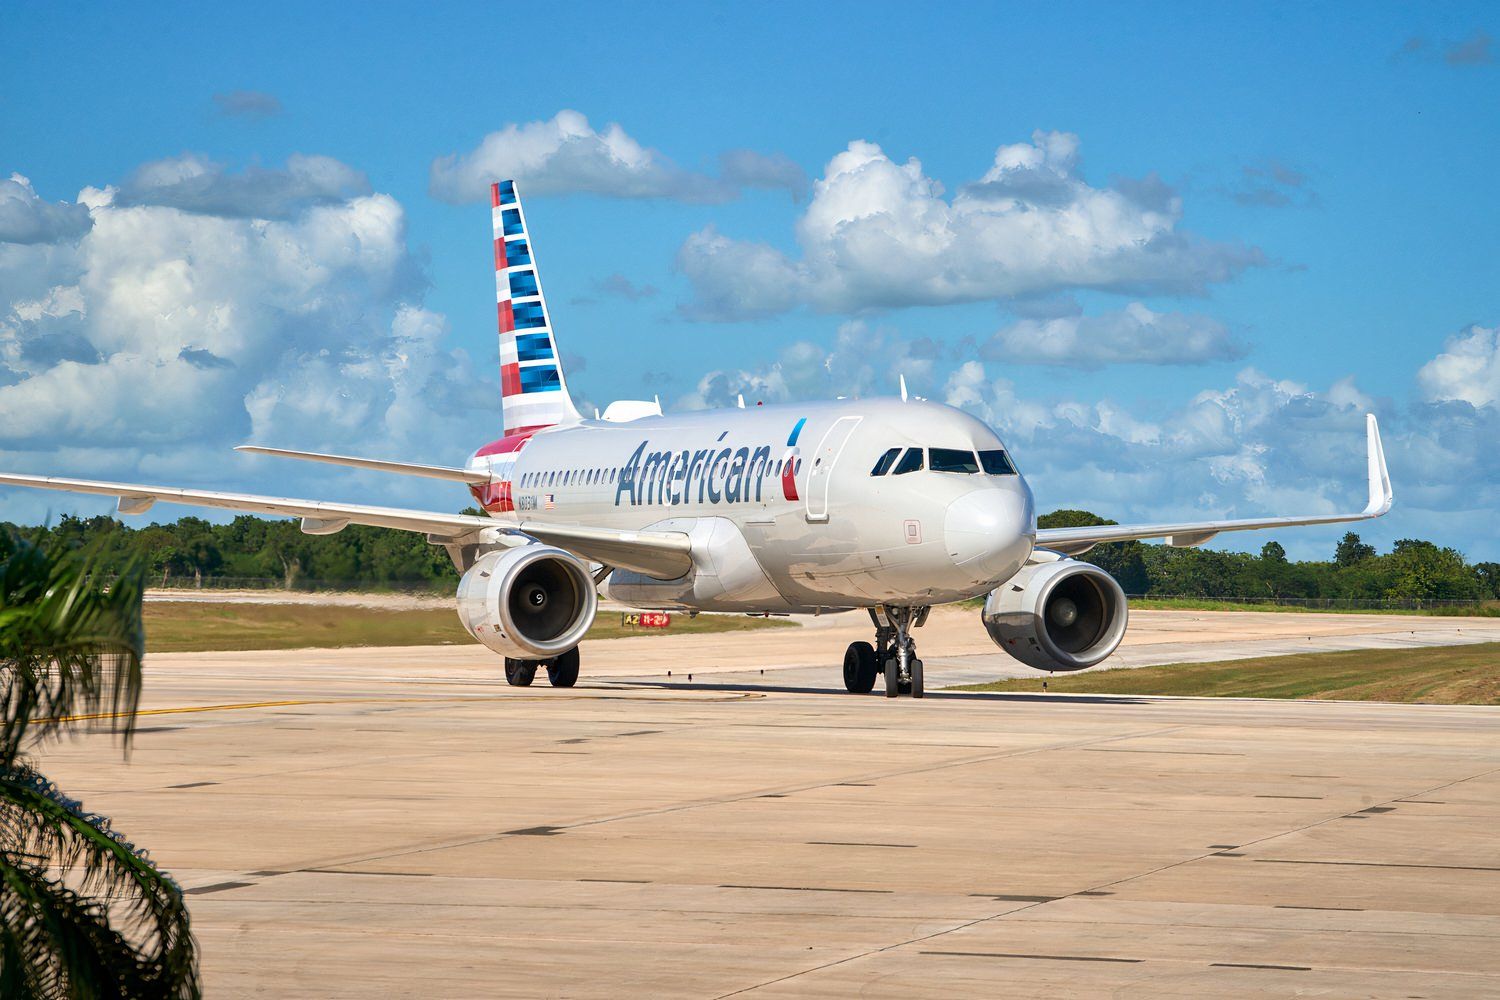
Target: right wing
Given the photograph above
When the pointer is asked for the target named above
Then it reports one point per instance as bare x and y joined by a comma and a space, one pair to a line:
1076, 541
379, 465
664, 555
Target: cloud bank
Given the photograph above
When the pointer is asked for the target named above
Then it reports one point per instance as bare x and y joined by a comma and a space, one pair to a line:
196, 308
880, 234
566, 155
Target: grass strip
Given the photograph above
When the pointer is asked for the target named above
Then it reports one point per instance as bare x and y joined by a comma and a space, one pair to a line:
1432, 675
185, 627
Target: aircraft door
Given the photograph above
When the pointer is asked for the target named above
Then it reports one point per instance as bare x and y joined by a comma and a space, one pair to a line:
820, 474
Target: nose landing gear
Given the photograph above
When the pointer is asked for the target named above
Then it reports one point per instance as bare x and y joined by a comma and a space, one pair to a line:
894, 654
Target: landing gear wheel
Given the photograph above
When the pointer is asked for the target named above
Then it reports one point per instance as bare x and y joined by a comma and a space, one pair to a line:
563, 671
860, 668
892, 673
916, 677
519, 673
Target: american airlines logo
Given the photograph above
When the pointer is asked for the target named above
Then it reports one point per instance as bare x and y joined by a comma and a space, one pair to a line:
707, 475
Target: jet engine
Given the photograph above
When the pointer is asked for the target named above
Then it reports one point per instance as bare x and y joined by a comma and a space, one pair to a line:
1058, 615
531, 602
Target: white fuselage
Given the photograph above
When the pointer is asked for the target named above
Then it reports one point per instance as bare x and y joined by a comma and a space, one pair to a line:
781, 502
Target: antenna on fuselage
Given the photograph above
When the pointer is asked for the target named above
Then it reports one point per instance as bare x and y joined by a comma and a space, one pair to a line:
742, 401
902, 377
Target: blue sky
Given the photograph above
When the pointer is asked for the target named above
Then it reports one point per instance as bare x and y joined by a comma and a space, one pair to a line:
1313, 187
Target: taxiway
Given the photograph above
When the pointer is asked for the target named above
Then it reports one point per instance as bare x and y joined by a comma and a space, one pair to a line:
357, 823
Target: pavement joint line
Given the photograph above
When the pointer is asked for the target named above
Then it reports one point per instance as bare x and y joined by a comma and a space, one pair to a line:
1186, 753
1049, 958
854, 843
807, 888
1009, 914
761, 793
1254, 965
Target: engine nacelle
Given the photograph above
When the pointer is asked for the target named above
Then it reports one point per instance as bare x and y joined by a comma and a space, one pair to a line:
1062, 615
531, 602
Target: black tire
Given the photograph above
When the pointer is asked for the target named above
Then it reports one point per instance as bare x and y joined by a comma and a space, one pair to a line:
917, 689
519, 673
892, 671
563, 671
860, 668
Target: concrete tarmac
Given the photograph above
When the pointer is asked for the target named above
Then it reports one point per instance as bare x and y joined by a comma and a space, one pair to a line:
363, 823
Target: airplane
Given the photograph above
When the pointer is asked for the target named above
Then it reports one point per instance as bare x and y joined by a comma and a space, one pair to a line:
888, 505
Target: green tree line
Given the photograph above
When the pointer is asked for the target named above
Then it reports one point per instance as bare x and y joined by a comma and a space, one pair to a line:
194, 550
1414, 570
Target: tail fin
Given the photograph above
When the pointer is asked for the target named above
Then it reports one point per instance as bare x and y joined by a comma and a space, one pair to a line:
534, 393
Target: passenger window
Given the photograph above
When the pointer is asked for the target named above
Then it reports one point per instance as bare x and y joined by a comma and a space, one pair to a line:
953, 460
884, 463
910, 462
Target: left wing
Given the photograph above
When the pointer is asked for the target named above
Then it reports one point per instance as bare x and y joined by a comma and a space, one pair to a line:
661, 554
1076, 541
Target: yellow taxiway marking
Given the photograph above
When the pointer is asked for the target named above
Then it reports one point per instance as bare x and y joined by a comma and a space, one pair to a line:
239, 706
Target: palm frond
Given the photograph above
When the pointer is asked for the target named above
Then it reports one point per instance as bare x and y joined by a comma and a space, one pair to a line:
66, 927
83, 913
54, 943
68, 646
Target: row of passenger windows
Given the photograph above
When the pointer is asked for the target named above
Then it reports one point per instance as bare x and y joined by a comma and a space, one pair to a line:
592, 477
994, 462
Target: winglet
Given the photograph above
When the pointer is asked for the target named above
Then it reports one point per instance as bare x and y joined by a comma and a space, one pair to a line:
1381, 496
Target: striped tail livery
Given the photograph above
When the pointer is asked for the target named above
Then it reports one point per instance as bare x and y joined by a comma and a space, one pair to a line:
533, 389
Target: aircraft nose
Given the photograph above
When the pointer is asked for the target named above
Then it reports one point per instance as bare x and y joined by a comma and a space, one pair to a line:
988, 533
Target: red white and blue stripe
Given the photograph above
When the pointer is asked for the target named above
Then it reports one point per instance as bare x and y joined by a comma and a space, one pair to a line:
534, 393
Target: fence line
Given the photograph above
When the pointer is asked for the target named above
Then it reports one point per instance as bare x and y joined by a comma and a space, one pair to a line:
299, 584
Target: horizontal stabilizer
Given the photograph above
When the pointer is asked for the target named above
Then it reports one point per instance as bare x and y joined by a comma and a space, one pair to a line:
379, 465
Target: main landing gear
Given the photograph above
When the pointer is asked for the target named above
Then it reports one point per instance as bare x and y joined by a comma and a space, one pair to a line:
562, 671
894, 654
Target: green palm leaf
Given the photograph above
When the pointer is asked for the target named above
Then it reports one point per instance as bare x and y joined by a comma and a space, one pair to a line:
83, 913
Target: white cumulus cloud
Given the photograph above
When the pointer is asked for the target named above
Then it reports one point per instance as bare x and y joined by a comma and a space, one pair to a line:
27, 219
567, 155
1468, 369
1133, 335
196, 184
878, 234
168, 333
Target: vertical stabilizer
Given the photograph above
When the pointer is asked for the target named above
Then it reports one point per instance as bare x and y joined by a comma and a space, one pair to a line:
533, 389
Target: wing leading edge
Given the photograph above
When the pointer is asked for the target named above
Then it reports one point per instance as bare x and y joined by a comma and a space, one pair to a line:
1076, 541
661, 554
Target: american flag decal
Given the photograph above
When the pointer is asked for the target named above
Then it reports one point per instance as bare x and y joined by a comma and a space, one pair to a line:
534, 393
549, 502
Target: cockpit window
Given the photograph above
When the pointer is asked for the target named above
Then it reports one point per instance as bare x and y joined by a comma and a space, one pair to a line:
953, 460
883, 465
910, 462
997, 463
